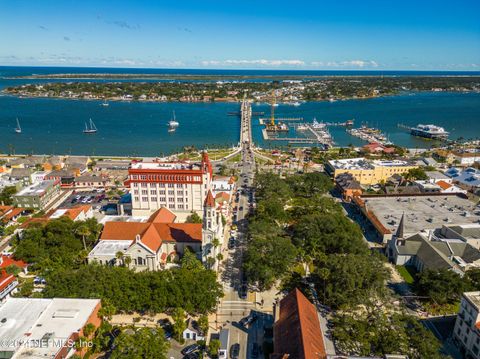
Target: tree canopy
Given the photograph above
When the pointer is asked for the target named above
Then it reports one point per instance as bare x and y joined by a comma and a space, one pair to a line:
143, 343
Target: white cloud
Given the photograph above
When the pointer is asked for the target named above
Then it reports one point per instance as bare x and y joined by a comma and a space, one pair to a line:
346, 64
259, 62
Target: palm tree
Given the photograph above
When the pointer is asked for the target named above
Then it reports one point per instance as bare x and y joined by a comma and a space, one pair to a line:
83, 231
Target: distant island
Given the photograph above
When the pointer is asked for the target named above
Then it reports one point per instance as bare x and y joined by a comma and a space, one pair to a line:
213, 88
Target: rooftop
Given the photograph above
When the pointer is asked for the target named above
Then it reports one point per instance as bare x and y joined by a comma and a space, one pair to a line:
473, 297
36, 189
165, 166
422, 211
361, 163
36, 319
109, 248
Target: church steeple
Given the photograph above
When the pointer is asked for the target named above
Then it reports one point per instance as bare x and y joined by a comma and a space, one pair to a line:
401, 227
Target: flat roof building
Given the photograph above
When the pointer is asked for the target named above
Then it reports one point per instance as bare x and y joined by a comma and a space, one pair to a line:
54, 323
421, 211
37, 196
368, 172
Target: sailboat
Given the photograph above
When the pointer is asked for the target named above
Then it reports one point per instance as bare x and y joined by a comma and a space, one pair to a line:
173, 124
90, 128
18, 129
105, 103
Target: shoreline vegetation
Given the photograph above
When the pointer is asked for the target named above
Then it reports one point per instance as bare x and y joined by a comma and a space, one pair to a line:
185, 88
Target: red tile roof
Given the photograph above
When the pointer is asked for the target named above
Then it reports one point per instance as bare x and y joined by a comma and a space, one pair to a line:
163, 215
5, 279
444, 185
297, 332
6, 261
152, 234
222, 196
209, 201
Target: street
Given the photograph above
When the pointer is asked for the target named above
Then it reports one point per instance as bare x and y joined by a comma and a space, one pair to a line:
237, 302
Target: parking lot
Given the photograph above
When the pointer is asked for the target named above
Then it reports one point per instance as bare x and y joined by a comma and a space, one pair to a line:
96, 198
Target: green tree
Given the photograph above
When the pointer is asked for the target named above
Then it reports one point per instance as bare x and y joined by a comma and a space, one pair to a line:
347, 280
267, 259
213, 347
6, 195
328, 233
203, 324
179, 323
440, 286
145, 343
193, 218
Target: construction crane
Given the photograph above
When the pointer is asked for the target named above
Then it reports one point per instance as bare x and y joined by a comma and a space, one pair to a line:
272, 113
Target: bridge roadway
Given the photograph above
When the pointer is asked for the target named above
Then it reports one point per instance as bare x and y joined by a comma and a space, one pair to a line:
235, 305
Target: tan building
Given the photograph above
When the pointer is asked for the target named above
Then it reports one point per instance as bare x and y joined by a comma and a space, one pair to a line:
368, 172
179, 186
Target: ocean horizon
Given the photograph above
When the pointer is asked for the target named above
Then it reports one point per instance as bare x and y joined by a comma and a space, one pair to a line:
129, 128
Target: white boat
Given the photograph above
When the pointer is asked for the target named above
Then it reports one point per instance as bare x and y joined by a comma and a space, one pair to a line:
105, 103
318, 125
302, 127
18, 129
90, 128
429, 131
173, 124
296, 104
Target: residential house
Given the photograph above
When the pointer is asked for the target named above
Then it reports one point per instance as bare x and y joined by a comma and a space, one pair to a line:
21, 174
38, 176
193, 332
54, 163
56, 323
222, 199
26, 162
348, 186
113, 165
466, 333
66, 177
468, 178
76, 213
223, 184
445, 156
8, 285
376, 148
8, 282
79, 164
10, 214
467, 157
87, 181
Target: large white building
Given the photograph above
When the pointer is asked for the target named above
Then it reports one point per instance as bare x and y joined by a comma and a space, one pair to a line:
466, 332
179, 186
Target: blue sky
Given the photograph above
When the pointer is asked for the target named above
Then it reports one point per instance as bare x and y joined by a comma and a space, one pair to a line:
262, 34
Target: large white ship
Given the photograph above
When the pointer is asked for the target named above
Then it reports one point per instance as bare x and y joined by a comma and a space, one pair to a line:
429, 131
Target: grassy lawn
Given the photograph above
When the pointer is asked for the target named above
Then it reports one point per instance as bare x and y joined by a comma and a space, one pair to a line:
407, 272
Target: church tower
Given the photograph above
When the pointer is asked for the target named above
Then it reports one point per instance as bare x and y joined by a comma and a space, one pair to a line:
211, 228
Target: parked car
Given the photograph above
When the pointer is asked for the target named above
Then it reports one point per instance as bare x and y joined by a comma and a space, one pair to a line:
190, 349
